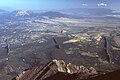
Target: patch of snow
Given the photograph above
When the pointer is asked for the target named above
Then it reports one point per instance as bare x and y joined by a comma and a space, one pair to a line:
22, 13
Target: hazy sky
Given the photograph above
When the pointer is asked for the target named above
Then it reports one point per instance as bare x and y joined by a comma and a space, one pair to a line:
58, 4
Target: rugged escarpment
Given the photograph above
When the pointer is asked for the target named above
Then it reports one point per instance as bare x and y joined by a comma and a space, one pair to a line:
58, 70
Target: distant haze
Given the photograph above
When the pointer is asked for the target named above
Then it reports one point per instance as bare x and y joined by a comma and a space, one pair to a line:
58, 4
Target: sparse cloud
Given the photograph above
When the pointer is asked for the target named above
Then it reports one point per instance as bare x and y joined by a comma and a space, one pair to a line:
102, 4
116, 11
84, 4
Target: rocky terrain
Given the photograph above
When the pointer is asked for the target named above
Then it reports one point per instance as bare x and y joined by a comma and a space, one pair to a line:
34, 38
59, 70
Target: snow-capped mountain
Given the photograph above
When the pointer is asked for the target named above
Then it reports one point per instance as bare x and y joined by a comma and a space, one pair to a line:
20, 13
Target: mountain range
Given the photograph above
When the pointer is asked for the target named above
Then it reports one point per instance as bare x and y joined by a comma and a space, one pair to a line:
76, 13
